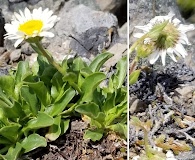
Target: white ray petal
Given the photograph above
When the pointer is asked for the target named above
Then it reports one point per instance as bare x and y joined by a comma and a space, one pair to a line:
170, 53
138, 35
183, 39
176, 21
180, 50
27, 14
186, 28
163, 56
153, 57
144, 28
46, 34
16, 44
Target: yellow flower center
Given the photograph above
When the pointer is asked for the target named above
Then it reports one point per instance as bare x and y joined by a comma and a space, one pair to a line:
31, 26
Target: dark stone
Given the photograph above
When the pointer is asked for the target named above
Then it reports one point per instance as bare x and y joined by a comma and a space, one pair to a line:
121, 13
2, 30
94, 40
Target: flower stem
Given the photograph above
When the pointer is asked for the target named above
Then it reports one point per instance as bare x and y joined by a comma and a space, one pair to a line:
49, 57
133, 65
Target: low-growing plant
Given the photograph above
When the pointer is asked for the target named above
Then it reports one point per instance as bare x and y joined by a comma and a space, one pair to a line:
37, 104
164, 143
107, 109
150, 153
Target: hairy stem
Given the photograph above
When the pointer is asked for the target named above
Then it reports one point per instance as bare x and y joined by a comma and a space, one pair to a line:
49, 57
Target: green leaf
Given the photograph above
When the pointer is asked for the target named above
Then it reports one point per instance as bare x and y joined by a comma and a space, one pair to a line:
98, 97
14, 111
100, 59
90, 84
4, 141
78, 64
43, 120
115, 113
85, 72
22, 71
32, 142
94, 135
61, 102
57, 84
7, 85
81, 79
121, 71
119, 128
110, 88
41, 91
70, 77
109, 103
5, 102
10, 132
121, 95
133, 78
35, 68
30, 97
43, 63
64, 125
90, 109
47, 75
54, 130
13, 152
98, 121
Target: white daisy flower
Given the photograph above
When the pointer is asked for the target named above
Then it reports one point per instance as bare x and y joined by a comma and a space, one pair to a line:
30, 24
170, 40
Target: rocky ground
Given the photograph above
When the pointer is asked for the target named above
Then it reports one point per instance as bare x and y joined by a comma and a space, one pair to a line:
86, 27
71, 146
163, 95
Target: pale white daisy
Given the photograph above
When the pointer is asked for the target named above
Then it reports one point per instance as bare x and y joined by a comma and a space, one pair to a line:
170, 40
25, 25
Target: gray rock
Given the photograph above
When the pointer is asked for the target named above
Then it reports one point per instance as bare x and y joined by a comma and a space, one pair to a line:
26, 49
110, 5
54, 5
15, 55
15, 7
94, 41
88, 18
136, 105
4, 6
9, 44
87, 34
123, 31
33, 2
2, 50
89, 3
118, 50
15, 1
